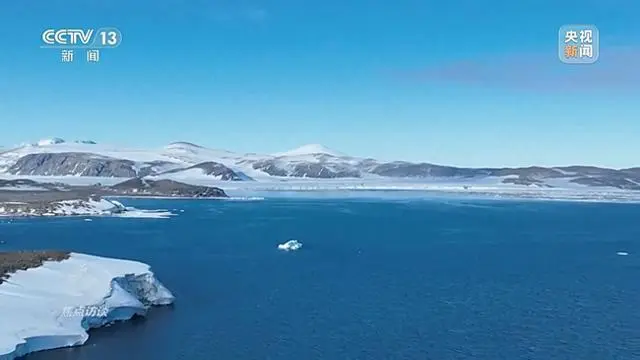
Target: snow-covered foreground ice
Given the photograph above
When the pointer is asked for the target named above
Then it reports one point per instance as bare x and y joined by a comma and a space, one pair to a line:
53, 306
291, 245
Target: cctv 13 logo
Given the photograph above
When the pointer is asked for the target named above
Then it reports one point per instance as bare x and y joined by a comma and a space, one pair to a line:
82, 38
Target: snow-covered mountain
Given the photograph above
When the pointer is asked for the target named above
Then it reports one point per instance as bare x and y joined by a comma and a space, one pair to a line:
311, 149
185, 160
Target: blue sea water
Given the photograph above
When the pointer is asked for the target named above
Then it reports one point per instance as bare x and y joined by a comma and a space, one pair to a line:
376, 279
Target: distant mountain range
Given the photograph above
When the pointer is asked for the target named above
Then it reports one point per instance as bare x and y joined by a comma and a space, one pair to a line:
183, 160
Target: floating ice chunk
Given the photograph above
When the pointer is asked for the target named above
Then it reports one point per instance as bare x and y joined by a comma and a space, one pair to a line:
622, 253
245, 198
145, 214
290, 245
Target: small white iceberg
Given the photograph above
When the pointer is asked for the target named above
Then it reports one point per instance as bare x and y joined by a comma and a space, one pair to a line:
622, 253
290, 245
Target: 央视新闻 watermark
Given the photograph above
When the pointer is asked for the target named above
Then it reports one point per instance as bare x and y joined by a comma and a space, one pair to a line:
578, 44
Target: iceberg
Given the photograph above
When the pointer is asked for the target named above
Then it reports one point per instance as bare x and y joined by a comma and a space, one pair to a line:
54, 305
291, 245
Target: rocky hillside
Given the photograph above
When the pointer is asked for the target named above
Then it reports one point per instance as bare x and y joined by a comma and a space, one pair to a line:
164, 188
209, 168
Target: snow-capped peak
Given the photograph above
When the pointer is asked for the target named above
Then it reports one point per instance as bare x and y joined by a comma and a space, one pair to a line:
52, 141
311, 149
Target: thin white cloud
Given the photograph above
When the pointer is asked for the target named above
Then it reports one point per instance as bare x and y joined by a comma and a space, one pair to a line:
616, 69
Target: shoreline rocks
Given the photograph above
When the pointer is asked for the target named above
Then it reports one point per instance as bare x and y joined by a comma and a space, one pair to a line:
10, 262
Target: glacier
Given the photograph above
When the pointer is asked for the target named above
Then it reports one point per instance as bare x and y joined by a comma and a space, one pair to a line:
54, 305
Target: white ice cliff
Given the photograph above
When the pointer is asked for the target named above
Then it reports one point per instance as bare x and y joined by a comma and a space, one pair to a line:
53, 306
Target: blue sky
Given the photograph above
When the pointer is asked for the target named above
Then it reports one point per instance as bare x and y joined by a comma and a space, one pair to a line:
462, 82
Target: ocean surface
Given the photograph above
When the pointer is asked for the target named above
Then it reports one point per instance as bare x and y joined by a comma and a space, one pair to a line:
376, 279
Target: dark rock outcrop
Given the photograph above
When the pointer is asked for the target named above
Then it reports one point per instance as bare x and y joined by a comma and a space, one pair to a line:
320, 171
412, 170
11, 262
270, 167
275, 167
81, 164
211, 168
168, 188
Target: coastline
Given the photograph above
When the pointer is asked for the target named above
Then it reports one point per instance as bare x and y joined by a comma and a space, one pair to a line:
56, 199
199, 188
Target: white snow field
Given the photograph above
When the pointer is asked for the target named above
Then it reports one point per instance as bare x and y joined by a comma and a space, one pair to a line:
53, 306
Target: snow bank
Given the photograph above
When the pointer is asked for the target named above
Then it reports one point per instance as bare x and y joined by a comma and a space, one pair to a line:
53, 306
91, 207
291, 245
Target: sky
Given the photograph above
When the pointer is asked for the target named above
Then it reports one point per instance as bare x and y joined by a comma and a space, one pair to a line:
456, 82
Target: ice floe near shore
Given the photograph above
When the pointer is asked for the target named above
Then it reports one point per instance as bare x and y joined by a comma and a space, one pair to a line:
291, 245
53, 305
